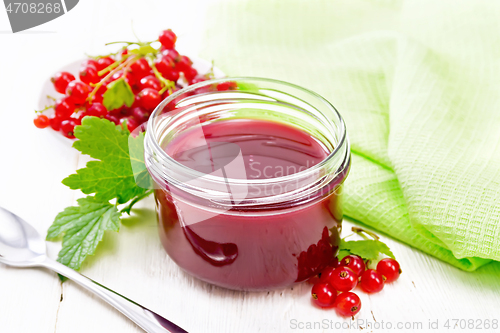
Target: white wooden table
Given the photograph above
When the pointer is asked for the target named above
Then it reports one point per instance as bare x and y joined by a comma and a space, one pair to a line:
132, 262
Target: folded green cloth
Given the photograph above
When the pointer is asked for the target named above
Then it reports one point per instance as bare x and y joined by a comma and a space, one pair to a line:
418, 84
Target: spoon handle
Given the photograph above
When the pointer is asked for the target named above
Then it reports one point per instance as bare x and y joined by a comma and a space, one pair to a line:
144, 318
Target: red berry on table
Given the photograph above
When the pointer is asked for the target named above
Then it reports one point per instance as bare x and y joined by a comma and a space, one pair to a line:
356, 263
131, 123
104, 62
325, 274
140, 69
55, 123
348, 304
389, 268
149, 99
343, 279
140, 114
150, 81
64, 107
371, 281
61, 80
96, 110
112, 118
42, 121
89, 75
68, 128
324, 294
167, 39
78, 91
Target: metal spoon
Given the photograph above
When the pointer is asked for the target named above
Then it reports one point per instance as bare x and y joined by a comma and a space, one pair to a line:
22, 246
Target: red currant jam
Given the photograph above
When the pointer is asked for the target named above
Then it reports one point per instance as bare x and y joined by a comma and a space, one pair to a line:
243, 246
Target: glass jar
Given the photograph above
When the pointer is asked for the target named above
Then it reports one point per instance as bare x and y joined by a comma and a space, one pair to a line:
227, 228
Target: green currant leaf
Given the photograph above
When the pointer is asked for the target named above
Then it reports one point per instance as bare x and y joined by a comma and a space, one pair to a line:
119, 93
342, 254
366, 249
111, 177
82, 228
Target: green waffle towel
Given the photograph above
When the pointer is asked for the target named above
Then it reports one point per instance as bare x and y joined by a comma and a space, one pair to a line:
418, 84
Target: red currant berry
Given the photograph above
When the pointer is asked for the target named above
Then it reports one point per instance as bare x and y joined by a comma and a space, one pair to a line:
64, 107
371, 281
89, 75
61, 80
355, 263
140, 69
150, 81
121, 112
104, 62
343, 279
323, 294
96, 110
230, 85
140, 114
97, 98
325, 274
167, 39
149, 98
68, 128
168, 92
173, 75
166, 66
389, 268
348, 304
42, 121
116, 76
131, 123
89, 63
112, 118
55, 123
78, 91
172, 54
190, 74
184, 64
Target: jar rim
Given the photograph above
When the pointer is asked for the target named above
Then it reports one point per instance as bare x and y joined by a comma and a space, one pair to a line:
343, 139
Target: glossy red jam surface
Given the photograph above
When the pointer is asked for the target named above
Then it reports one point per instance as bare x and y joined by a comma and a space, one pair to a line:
256, 249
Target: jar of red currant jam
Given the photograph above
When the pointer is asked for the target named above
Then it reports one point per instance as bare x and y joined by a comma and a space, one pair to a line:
248, 174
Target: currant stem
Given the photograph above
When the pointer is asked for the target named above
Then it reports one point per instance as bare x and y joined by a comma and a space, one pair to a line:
361, 232
110, 74
134, 201
109, 68
121, 42
45, 109
168, 85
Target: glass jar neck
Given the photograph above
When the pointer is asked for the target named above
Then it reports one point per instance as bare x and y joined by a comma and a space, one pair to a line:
255, 98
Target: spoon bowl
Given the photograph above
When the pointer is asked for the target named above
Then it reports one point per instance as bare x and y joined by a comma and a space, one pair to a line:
22, 246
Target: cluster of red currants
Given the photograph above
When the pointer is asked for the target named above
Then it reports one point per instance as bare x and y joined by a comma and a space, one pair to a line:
151, 76
333, 286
